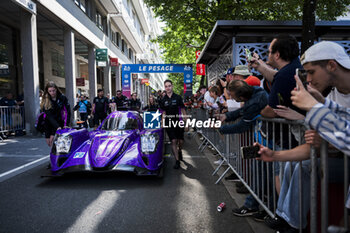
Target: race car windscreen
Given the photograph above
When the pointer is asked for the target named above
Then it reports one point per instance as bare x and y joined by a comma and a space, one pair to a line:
120, 123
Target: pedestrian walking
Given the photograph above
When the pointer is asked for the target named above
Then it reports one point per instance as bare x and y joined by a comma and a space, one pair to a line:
84, 108
134, 102
99, 108
121, 101
174, 110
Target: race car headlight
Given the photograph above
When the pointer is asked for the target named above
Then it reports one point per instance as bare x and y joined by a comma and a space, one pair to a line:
149, 143
63, 144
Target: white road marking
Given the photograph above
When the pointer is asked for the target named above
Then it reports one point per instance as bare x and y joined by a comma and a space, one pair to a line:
4, 155
23, 168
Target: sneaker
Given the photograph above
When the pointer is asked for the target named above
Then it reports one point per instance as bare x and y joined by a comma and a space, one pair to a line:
242, 190
180, 155
244, 211
277, 223
260, 216
232, 177
217, 162
177, 164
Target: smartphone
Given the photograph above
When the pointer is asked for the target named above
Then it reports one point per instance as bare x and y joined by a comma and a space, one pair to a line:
302, 74
250, 152
280, 99
248, 54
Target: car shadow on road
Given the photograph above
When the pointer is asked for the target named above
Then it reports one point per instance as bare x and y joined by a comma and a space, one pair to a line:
102, 181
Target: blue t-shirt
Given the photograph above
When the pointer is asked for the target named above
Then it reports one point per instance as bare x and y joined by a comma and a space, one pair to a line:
283, 83
83, 106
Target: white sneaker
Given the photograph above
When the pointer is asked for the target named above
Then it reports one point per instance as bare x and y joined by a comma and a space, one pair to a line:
217, 162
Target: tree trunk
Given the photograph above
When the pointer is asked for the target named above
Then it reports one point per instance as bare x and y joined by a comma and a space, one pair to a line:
308, 31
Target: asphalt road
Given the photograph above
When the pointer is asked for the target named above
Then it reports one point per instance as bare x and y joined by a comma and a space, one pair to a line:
183, 200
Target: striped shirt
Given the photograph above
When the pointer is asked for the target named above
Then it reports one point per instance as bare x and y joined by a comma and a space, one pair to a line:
332, 122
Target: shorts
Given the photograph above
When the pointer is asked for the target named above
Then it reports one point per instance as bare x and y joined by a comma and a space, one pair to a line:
98, 118
175, 133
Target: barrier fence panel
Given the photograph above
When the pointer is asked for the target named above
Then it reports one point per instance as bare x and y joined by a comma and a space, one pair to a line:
264, 179
11, 119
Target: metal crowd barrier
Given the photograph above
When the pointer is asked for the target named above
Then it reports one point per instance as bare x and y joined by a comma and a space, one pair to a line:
11, 119
260, 177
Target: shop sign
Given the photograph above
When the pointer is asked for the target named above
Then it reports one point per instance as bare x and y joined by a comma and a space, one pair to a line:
113, 61
101, 55
200, 69
144, 80
80, 82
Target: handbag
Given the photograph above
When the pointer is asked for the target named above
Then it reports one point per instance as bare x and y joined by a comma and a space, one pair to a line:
40, 122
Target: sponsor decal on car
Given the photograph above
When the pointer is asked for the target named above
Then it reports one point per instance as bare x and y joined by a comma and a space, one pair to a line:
78, 155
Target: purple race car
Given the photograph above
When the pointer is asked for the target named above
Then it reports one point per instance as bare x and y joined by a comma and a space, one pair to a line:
120, 143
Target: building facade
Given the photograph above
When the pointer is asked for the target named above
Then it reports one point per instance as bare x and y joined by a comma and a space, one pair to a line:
57, 40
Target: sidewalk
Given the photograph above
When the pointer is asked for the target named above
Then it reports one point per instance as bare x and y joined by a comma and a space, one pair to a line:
238, 199
18, 154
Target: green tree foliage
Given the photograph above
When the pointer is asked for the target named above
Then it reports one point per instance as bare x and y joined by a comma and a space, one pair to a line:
189, 22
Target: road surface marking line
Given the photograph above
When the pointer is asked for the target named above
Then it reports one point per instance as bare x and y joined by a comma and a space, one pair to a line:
23, 166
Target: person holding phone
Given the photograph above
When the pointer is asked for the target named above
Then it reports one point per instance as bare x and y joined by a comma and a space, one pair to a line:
282, 55
326, 64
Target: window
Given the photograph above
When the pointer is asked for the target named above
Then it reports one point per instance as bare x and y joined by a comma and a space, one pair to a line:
142, 35
117, 35
99, 20
81, 4
123, 46
134, 18
57, 61
131, 54
120, 123
113, 37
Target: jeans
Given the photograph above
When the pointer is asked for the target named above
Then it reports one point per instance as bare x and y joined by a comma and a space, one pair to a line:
84, 117
251, 203
288, 201
261, 176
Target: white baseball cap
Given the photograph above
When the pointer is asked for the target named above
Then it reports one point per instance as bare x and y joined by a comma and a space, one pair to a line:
326, 50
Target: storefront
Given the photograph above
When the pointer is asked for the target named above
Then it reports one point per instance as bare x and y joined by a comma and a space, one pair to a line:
9, 70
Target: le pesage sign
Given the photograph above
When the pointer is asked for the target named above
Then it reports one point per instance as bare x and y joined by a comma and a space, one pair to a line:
128, 69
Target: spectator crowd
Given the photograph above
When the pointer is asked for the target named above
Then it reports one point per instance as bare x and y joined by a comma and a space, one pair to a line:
321, 98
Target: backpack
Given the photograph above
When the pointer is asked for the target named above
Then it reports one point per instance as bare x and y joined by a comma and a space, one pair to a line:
40, 122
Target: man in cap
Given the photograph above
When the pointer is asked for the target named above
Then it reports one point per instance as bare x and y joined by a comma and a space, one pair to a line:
327, 64
242, 72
